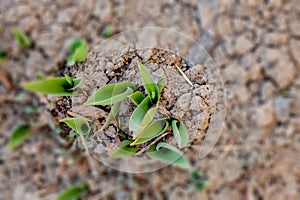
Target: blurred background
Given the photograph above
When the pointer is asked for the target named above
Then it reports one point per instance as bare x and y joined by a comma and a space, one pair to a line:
255, 44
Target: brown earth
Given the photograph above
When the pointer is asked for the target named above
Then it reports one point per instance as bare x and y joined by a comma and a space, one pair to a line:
256, 45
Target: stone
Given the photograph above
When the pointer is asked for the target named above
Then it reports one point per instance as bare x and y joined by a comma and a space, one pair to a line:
224, 26
254, 3
275, 3
207, 16
267, 90
295, 49
295, 26
282, 108
276, 38
30, 23
243, 44
239, 24
264, 115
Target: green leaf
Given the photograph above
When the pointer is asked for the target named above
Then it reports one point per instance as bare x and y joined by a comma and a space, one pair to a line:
180, 133
161, 84
78, 125
198, 181
112, 114
53, 86
111, 94
78, 51
74, 192
19, 135
155, 129
149, 84
22, 39
2, 55
137, 97
142, 115
168, 154
123, 150
107, 32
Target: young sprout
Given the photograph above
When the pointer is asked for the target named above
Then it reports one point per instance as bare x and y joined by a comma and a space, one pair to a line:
74, 192
22, 39
108, 31
19, 135
198, 181
64, 86
78, 51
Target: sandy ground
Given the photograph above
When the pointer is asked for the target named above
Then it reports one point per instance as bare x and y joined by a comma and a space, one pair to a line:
256, 45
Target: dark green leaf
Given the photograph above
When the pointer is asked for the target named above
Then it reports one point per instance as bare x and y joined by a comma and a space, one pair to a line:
74, 192
111, 94
198, 181
112, 114
123, 150
180, 133
155, 129
142, 115
19, 135
78, 125
137, 97
22, 39
107, 32
149, 84
53, 86
168, 154
78, 51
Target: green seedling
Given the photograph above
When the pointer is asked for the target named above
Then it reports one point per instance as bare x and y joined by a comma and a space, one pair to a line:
198, 181
78, 51
19, 135
2, 56
180, 133
74, 192
22, 39
64, 86
107, 32
79, 125
123, 150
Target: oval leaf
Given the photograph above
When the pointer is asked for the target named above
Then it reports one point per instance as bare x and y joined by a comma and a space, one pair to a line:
111, 94
74, 192
78, 51
149, 84
78, 125
112, 114
180, 133
168, 154
123, 150
22, 39
155, 129
53, 86
142, 115
137, 97
19, 135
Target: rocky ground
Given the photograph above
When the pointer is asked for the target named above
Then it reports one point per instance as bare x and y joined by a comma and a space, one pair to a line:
255, 43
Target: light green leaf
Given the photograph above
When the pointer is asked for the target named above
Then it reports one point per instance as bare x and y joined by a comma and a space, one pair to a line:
111, 94
160, 84
180, 133
142, 115
149, 84
19, 135
155, 129
78, 51
137, 97
123, 150
53, 86
112, 114
74, 192
22, 39
78, 125
168, 154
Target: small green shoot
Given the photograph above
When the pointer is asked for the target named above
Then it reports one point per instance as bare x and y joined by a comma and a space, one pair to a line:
64, 86
78, 125
111, 94
78, 51
137, 97
180, 133
107, 32
198, 181
2, 56
112, 114
168, 154
123, 150
22, 39
19, 135
74, 192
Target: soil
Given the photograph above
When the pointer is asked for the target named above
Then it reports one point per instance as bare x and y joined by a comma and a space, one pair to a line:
254, 43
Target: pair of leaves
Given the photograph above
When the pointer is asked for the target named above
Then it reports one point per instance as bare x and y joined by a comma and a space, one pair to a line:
78, 51
155, 129
19, 135
74, 192
180, 133
168, 154
63, 86
78, 125
198, 181
22, 39
123, 150
111, 94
